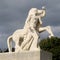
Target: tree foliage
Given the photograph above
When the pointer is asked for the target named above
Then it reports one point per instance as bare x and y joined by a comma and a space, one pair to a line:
52, 45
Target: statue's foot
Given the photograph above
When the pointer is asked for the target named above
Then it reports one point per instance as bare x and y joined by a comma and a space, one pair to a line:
10, 52
51, 36
35, 49
18, 50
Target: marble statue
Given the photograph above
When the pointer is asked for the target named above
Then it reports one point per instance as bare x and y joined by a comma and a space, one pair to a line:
30, 32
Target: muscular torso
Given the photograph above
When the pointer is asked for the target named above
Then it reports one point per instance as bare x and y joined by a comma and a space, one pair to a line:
34, 22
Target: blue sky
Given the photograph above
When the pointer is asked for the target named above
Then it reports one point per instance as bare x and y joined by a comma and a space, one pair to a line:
13, 14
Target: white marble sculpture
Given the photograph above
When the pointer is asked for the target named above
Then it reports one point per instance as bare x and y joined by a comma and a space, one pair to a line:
30, 32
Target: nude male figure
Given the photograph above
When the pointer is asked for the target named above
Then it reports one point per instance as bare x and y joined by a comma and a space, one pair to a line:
33, 20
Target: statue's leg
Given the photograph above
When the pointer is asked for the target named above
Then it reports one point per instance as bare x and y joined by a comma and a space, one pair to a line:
26, 40
9, 40
48, 29
17, 47
27, 46
35, 41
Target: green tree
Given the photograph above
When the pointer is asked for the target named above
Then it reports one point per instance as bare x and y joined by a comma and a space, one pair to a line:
52, 45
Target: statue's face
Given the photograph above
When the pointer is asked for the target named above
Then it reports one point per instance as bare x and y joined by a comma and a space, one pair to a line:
40, 12
37, 12
33, 11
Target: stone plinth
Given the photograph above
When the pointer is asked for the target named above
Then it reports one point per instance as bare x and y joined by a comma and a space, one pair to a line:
27, 55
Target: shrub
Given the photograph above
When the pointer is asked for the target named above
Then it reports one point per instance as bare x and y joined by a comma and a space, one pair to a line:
52, 45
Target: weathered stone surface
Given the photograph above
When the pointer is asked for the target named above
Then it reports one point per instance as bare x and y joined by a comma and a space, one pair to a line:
29, 35
27, 55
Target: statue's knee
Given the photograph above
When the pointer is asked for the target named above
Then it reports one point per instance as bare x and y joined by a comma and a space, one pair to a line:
49, 27
36, 37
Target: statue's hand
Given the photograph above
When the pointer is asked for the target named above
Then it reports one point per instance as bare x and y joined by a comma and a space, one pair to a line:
43, 7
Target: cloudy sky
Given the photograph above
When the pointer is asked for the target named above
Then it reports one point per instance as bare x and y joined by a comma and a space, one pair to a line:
13, 14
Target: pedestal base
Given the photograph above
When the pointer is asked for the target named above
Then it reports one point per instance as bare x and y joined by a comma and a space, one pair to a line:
27, 55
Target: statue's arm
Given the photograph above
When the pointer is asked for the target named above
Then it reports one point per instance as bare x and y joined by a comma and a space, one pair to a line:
43, 11
39, 17
28, 19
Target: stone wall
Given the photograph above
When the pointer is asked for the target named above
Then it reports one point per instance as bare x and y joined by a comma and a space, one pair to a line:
27, 55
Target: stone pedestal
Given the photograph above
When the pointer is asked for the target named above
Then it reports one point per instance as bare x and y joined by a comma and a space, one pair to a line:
27, 55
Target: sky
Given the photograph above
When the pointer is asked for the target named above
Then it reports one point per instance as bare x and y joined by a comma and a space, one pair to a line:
13, 14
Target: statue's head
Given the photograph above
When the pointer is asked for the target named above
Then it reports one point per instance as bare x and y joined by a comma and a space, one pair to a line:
34, 11
42, 12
